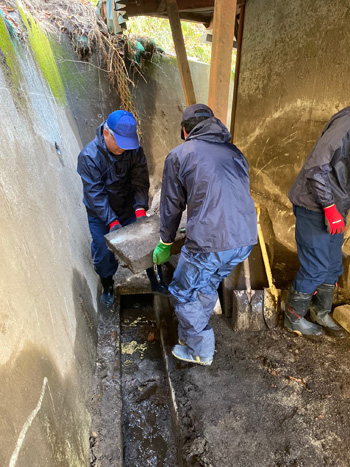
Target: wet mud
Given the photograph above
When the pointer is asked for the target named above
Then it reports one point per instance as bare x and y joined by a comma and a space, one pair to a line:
148, 437
269, 398
132, 422
106, 400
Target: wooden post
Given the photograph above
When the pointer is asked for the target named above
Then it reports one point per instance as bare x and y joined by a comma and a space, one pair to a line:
221, 57
178, 38
237, 69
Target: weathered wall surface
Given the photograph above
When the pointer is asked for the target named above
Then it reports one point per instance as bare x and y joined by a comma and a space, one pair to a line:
51, 105
160, 103
48, 289
294, 77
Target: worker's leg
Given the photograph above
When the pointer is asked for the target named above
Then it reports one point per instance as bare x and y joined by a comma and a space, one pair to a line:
208, 295
318, 261
194, 287
103, 259
335, 269
321, 303
318, 251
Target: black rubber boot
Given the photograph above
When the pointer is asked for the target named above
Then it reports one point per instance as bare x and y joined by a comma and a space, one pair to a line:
158, 287
107, 297
297, 304
320, 307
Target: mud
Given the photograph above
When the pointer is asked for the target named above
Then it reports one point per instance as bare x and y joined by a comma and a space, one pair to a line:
148, 436
268, 399
106, 400
132, 424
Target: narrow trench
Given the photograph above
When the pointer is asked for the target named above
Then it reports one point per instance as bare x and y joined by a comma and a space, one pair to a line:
148, 427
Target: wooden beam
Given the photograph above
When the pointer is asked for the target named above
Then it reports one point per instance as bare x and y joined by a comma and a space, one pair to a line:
155, 7
181, 54
237, 70
221, 56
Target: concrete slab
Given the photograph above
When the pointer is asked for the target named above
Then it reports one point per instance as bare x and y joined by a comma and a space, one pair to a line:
134, 244
128, 283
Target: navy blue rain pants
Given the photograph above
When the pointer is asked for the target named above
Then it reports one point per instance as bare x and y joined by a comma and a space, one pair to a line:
319, 252
103, 259
194, 287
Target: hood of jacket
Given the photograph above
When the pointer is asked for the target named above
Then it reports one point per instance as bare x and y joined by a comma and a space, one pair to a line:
100, 141
211, 130
341, 113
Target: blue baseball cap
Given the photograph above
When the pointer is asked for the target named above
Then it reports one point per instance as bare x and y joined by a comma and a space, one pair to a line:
124, 127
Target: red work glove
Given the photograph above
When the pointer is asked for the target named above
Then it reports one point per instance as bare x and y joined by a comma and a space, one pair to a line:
115, 225
140, 213
334, 220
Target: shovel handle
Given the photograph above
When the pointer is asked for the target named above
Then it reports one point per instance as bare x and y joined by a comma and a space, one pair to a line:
247, 278
264, 254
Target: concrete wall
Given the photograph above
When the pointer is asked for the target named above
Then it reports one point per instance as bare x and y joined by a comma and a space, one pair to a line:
48, 289
160, 102
51, 105
294, 77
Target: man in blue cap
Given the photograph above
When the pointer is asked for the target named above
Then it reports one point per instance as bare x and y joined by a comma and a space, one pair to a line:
210, 176
114, 172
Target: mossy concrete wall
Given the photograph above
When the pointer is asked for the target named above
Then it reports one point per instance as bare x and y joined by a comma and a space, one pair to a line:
294, 77
51, 104
48, 289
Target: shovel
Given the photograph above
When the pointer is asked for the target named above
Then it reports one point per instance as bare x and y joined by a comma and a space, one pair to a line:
256, 310
272, 295
247, 305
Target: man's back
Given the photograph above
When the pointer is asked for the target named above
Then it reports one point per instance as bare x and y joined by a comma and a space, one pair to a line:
214, 181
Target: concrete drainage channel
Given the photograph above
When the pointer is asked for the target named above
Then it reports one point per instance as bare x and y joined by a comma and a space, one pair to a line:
134, 417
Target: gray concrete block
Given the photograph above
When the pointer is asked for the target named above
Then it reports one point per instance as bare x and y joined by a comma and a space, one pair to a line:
134, 244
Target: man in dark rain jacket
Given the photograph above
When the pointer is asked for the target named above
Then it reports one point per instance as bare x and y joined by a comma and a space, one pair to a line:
321, 200
210, 176
113, 169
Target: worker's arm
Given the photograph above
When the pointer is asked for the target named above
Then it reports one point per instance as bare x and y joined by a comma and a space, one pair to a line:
327, 150
318, 181
95, 194
173, 199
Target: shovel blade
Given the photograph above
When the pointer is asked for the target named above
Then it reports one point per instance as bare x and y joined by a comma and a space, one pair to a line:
247, 315
271, 308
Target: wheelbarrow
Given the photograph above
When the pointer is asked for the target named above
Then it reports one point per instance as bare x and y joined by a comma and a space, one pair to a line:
256, 310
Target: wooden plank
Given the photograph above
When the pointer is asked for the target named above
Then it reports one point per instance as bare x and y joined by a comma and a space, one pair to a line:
237, 70
181, 54
221, 56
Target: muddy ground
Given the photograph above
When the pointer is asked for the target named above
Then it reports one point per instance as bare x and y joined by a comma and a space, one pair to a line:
269, 399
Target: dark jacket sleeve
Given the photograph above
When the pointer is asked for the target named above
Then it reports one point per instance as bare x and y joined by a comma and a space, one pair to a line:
140, 180
173, 199
318, 165
95, 194
319, 185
